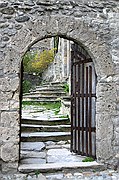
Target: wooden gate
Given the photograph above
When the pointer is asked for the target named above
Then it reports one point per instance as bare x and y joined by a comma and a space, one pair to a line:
83, 103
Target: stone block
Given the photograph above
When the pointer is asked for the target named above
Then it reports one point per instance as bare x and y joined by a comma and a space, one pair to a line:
12, 61
9, 84
104, 127
104, 150
1, 56
22, 19
3, 4
8, 10
9, 134
10, 119
14, 105
106, 97
6, 98
9, 167
10, 152
1, 72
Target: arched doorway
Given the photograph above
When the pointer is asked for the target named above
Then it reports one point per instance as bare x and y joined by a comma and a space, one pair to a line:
83, 93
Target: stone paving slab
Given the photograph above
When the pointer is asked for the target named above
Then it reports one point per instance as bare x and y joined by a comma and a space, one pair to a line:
26, 154
45, 126
33, 161
42, 136
32, 146
43, 118
62, 155
49, 167
45, 134
56, 146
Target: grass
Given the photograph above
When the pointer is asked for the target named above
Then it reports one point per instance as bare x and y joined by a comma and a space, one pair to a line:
65, 116
37, 172
48, 106
88, 159
66, 88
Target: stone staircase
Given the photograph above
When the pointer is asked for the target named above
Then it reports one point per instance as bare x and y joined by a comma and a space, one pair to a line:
41, 131
44, 129
48, 92
45, 137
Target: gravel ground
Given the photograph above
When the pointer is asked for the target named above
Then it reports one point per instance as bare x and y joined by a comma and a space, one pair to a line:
103, 175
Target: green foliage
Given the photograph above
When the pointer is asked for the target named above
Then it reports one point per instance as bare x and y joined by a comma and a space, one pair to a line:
26, 86
88, 159
66, 88
65, 116
27, 60
37, 172
35, 62
57, 111
48, 105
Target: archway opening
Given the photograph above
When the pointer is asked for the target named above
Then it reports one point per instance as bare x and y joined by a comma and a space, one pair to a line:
57, 102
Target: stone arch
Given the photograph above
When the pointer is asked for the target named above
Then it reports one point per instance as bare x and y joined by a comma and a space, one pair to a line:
80, 32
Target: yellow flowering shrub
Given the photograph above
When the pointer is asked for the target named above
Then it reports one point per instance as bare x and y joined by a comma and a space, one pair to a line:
38, 61
42, 60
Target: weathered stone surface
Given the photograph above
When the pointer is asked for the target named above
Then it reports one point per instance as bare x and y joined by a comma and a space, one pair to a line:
3, 4
8, 10
21, 19
58, 166
29, 3
33, 161
9, 152
62, 155
33, 154
9, 134
10, 119
32, 146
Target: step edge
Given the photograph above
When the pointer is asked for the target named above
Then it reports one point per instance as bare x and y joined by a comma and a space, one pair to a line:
59, 166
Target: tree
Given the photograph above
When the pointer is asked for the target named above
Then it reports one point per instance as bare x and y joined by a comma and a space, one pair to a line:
38, 62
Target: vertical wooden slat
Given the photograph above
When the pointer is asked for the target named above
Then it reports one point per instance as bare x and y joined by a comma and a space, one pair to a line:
90, 110
75, 137
86, 110
72, 98
78, 108
82, 108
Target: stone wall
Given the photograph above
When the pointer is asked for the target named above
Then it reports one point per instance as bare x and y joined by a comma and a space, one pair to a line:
95, 26
59, 69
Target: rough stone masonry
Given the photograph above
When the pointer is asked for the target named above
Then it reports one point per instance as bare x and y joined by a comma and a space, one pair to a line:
94, 25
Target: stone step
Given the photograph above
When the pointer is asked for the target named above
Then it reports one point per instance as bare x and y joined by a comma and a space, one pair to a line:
45, 121
53, 167
44, 94
43, 100
43, 128
37, 96
47, 89
32, 146
45, 136
32, 154
49, 86
58, 83
54, 83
